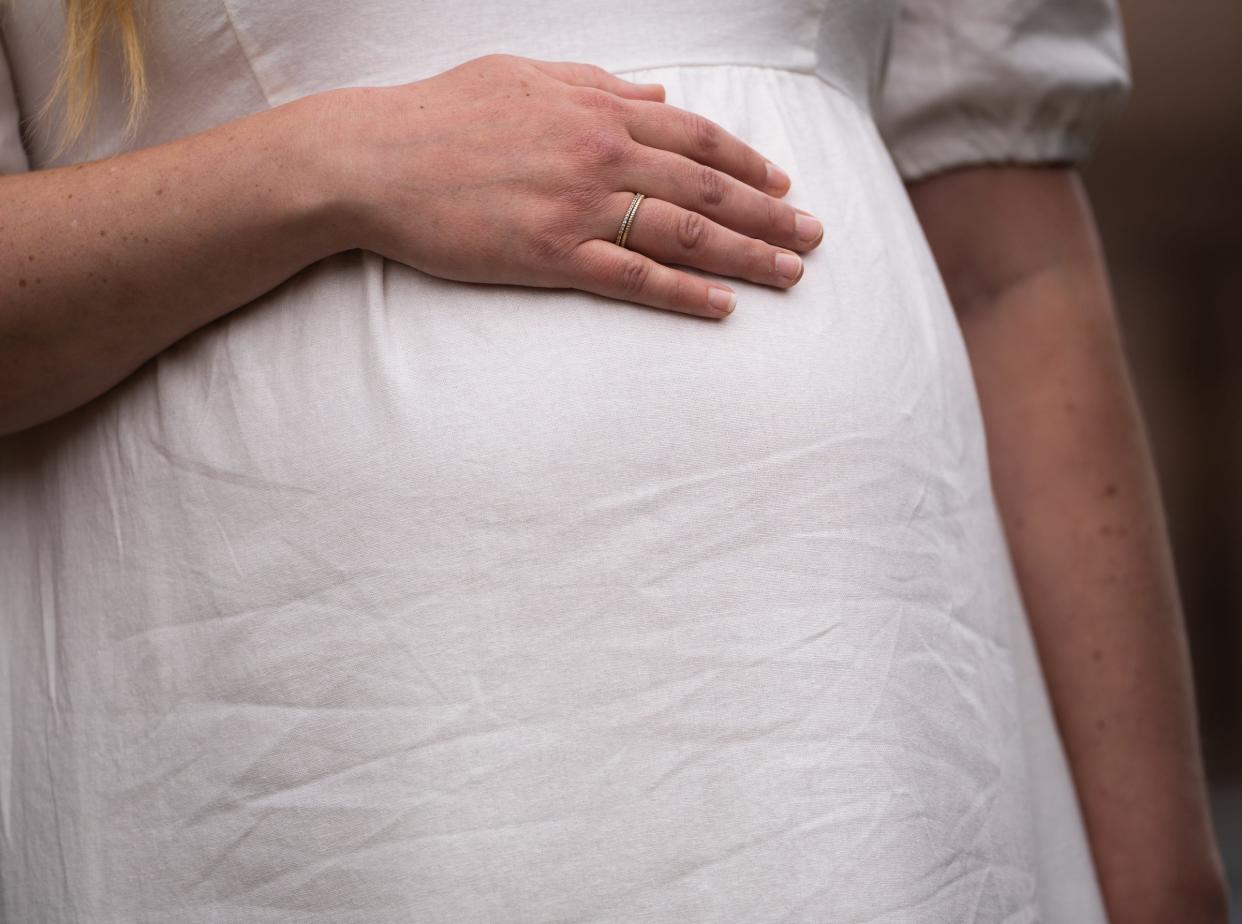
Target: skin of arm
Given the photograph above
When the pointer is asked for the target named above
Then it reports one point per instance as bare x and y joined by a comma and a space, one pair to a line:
1075, 484
104, 264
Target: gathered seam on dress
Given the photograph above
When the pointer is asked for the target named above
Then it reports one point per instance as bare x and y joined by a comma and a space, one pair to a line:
815, 75
245, 52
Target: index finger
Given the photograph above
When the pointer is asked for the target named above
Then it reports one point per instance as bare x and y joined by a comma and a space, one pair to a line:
590, 75
660, 125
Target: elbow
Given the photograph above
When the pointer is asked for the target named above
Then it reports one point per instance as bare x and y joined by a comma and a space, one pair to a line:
35, 387
20, 410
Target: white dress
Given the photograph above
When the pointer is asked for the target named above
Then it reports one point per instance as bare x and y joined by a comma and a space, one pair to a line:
389, 599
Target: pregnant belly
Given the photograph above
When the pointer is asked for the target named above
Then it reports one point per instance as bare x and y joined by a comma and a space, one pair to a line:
472, 428
537, 580
499, 419
849, 394
477, 579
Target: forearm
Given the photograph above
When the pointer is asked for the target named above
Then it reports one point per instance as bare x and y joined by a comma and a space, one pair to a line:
1074, 481
104, 264
1075, 487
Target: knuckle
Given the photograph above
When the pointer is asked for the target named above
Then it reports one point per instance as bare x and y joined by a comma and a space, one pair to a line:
583, 264
704, 134
763, 261
777, 224
583, 197
753, 170
780, 216
691, 230
712, 186
599, 147
599, 100
691, 296
494, 58
552, 243
633, 275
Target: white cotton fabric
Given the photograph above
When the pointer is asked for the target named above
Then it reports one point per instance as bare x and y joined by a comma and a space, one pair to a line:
390, 599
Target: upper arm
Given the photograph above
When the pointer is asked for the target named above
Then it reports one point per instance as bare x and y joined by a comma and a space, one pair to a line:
12, 153
986, 107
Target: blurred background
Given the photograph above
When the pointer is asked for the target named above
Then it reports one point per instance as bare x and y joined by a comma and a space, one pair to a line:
1166, 182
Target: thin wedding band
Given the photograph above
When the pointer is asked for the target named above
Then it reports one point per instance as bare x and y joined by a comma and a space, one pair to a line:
624, 232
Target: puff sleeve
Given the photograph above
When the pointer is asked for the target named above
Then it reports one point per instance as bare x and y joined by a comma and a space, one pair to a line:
12, 153
999, 81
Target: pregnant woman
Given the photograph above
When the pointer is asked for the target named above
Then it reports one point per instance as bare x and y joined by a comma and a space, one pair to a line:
398, 525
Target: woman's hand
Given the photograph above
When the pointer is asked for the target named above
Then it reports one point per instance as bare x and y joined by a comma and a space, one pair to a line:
512, 170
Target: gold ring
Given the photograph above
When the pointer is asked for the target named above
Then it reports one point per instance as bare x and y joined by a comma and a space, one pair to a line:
628, 221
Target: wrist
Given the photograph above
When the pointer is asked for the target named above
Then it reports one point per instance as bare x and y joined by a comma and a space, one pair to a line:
322, 170
1195, 895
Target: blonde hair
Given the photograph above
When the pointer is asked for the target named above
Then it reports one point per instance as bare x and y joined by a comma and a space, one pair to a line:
87, 23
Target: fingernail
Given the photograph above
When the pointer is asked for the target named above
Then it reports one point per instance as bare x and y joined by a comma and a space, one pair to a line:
721, 299
777, 178
788, 265
808, 228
